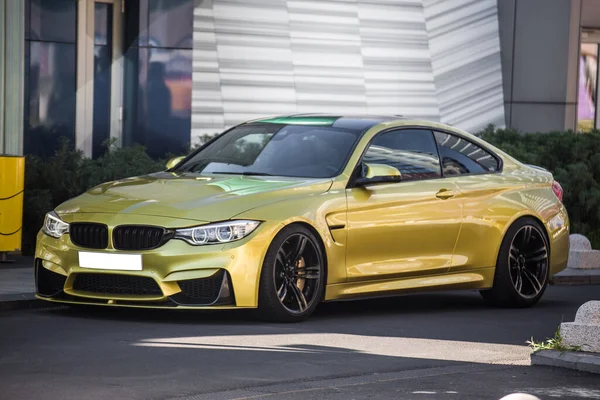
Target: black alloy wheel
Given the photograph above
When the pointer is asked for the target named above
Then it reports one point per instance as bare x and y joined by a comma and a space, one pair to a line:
522, 269
528, 261
292, 279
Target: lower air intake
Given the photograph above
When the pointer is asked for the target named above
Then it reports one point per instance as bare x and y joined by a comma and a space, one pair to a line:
205, 291
48, 283
113, 284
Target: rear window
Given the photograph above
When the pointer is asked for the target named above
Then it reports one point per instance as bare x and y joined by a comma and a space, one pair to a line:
460, 156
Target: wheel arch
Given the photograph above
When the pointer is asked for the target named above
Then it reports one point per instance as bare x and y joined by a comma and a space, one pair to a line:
518, 218
503, 292
320, 243
269, 306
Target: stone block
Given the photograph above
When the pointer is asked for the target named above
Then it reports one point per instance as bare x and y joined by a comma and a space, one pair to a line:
585, 331
579, 242
589, 313
581, 254
520, 396
584, 259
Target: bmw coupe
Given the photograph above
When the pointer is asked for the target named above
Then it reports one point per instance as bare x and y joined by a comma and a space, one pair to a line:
281, 214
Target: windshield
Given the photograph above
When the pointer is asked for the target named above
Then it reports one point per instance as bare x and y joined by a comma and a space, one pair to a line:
275, 149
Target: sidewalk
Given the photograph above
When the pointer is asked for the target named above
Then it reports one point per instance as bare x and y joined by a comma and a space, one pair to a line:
17, 284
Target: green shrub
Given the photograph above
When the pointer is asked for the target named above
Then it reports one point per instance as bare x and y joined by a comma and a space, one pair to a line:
51, 181
573, 158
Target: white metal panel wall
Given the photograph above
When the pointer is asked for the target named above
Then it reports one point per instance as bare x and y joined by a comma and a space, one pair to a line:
395, 49
431, 59
464, 42
326, 53
207, 102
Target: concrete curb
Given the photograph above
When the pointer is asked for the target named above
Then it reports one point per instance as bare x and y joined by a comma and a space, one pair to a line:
23, 301
580, 361
572, 276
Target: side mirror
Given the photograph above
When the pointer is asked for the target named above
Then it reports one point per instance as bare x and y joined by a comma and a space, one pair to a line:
374, 174
174, 161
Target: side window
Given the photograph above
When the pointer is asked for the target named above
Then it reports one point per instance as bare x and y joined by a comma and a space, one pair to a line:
412, 151
459, 156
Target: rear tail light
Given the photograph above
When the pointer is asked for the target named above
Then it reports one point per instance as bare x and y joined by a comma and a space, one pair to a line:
558, 190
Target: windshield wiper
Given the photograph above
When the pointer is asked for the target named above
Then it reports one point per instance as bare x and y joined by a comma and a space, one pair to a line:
247, 173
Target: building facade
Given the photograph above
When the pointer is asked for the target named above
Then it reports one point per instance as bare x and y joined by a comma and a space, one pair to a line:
164, 72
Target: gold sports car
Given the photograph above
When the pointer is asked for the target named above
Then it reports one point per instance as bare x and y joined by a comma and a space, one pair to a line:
283, 213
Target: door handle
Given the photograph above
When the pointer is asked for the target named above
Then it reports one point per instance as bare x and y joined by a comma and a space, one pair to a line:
444, 194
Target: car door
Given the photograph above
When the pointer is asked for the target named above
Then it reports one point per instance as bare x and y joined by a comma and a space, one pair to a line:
476, 174
408, 228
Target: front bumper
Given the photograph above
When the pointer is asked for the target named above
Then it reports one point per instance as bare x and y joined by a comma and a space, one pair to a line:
175, 275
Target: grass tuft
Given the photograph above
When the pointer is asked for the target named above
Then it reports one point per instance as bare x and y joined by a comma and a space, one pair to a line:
554, 343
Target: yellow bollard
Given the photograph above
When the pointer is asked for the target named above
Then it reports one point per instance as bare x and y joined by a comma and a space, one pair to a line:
12, 182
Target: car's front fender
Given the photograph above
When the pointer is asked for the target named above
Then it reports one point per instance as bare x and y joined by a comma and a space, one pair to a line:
323, 212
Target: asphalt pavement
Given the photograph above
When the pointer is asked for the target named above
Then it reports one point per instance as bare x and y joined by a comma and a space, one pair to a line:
429, 346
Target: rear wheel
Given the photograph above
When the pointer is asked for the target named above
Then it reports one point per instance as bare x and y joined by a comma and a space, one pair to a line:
522, 268
292, 280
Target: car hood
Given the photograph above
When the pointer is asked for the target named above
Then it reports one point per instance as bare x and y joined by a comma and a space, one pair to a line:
201, 198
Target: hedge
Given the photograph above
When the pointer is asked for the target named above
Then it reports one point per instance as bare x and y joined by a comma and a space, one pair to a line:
573, 158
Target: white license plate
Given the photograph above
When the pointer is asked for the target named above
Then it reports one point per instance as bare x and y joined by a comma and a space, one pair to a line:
123, 262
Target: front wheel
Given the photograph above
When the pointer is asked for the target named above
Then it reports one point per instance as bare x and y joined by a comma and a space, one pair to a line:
292, 280
522, 269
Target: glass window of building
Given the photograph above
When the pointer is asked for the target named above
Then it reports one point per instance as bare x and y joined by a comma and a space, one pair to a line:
103, 16
52, 20
588, 87
158, 75
50, 74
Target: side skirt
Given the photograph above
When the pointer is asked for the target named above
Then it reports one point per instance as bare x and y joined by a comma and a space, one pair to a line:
481, 278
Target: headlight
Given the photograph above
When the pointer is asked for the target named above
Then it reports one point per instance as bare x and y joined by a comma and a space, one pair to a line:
222, 232
54, 226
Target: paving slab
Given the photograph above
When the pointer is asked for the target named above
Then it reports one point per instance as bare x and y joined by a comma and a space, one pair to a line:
16, 280
17, 286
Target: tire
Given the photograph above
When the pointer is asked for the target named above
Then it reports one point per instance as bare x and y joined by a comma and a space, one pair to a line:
521, 275
287, 277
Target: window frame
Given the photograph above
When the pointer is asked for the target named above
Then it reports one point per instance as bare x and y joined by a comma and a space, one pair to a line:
84, 74
357, 169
